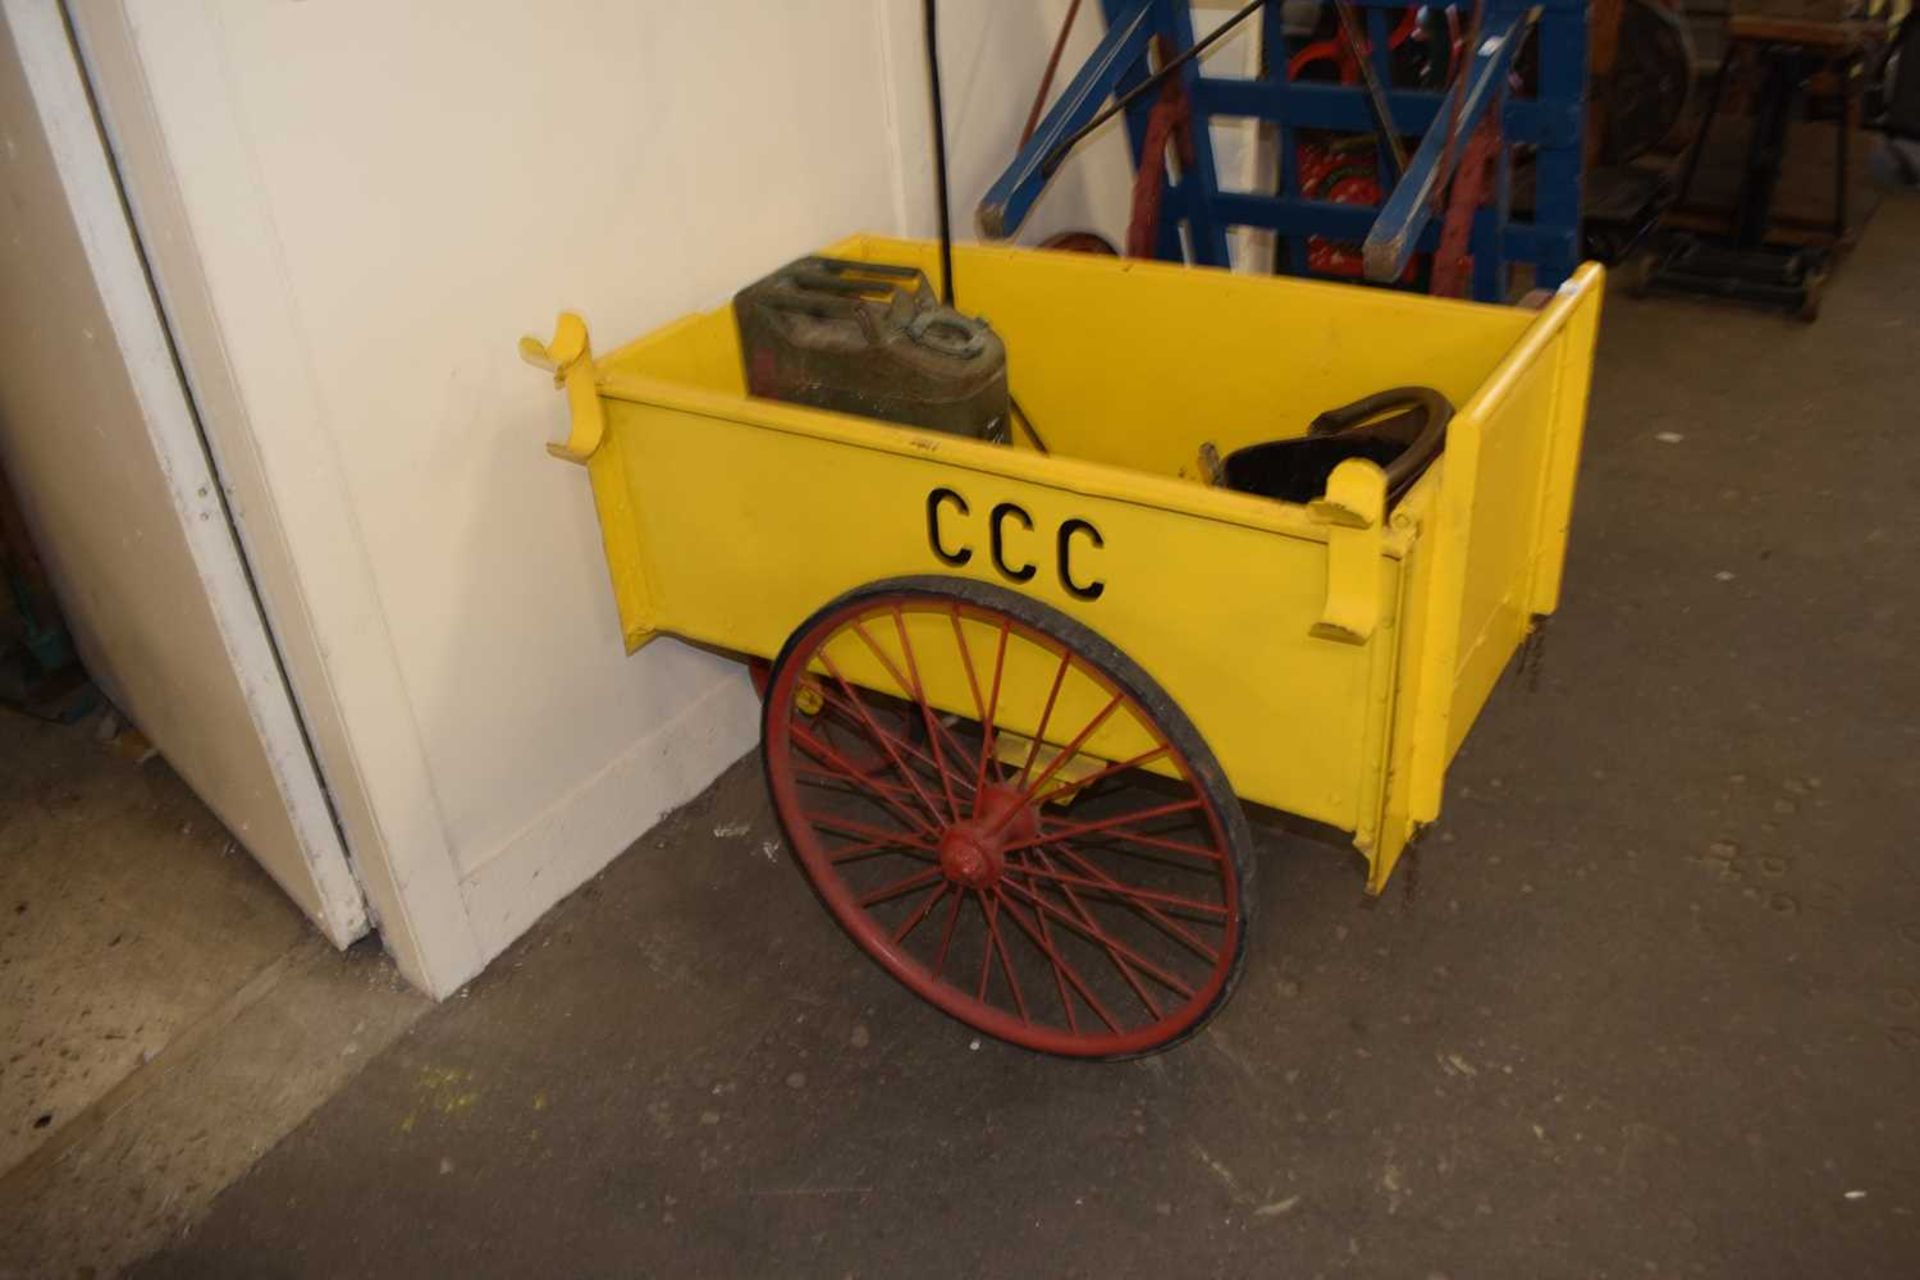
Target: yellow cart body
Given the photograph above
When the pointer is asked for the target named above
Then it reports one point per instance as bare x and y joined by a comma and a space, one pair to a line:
1332, 654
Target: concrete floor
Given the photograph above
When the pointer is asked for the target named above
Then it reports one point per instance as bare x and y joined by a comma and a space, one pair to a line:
104, 962
1650, 1005
166, 1014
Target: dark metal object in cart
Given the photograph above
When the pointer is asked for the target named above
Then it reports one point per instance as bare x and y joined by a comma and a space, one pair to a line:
872, 339
1401, 430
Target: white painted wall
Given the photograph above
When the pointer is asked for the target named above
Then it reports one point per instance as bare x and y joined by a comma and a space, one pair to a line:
354, 208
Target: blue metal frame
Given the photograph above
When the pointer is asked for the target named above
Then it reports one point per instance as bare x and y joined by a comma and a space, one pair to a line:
1552, 123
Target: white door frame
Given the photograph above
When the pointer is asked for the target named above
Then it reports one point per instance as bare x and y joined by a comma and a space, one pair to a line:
328, 890
284, 482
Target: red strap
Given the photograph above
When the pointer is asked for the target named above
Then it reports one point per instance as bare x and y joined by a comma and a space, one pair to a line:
1470, 183
1168, 122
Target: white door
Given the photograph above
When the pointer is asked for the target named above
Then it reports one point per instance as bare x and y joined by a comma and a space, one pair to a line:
102, 443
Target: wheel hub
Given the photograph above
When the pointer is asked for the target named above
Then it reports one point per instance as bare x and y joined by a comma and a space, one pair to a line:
973, 851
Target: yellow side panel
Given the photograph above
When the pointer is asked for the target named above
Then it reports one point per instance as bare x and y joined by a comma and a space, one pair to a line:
1489, 551
746, 529
1495, 612
701, 350
1569, 426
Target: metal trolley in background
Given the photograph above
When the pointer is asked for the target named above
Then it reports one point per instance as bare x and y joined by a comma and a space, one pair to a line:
1014, 696
1498, 78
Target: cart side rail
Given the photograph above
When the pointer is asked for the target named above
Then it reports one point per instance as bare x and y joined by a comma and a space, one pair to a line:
1490, 558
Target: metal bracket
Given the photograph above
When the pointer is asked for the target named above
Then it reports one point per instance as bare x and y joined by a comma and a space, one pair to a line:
569, 358
1119, 52
1354, 508
1397, 230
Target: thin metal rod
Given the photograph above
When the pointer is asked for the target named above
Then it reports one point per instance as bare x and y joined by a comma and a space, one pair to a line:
848, 827
1126, 971
930, 17
1135, 893
946, 936
1072, 749
1119, 766
1092, 932
1033, 432
1066, 1000
1166, 923
926, 710
1046, 80
1040, 733
1457, 95
1152, 82
884, 741
887, 795
1119, 820
993, 707
827, 755
1139, 838
1060, 966
899, 887
1376, 95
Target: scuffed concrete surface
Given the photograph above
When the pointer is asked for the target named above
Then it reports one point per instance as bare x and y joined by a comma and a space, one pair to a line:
1649, 1006
126, 913
166, 1014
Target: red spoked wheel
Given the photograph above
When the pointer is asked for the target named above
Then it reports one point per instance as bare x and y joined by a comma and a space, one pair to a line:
1010, 816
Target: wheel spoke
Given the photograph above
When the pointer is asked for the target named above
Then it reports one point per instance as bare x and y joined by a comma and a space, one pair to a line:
1119, 961
907, 750
1066, 753
1098, 936
849, 827
864, 781
1046, 714
966, 664
1081, 784
1062, 968
1108, 824
899, 887
1170, 926
935, 730
921, 912
1006, 962
882, 739
911, 687
828, 756
872, 848
1066, 1000
1160, 843
1133, 892
993, 708
946, 935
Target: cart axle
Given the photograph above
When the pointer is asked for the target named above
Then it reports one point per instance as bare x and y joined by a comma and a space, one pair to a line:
973, 851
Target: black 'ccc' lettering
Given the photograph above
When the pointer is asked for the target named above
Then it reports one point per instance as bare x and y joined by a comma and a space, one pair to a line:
957, 552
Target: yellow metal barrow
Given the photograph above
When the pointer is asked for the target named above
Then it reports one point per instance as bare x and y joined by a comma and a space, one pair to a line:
1326, 658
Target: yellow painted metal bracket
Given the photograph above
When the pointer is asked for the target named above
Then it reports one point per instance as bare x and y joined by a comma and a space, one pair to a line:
1354, 509
569, 357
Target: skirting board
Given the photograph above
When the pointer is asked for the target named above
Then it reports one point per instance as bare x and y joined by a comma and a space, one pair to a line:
595, 823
